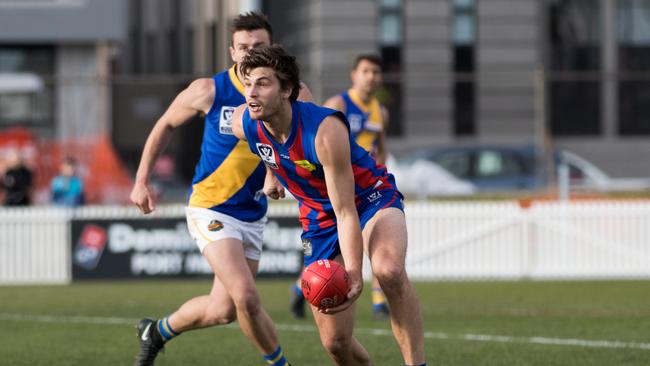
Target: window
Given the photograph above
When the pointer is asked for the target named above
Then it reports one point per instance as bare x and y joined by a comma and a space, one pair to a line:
492, 164
633, 21
463, 40
457, 163
574, 36
30, 102
391, 37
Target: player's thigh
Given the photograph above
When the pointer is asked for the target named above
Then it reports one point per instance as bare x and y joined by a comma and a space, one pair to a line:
233, 270
231, 247
385, 237
334, 329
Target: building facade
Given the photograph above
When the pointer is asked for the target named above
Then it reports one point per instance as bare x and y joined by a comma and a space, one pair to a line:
569, 72
67, 46
573, 72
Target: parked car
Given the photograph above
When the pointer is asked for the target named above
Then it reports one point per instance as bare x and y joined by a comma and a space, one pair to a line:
423, 178
500, 168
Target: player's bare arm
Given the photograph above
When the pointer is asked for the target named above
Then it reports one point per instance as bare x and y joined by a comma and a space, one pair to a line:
333, 151
272, 187
305, 94
335, 102
196, 98
381, 141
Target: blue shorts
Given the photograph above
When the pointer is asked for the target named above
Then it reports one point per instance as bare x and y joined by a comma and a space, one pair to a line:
324, 243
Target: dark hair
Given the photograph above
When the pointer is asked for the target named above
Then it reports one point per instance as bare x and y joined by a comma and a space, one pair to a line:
370, 57
249, 22
274, 57
70, 160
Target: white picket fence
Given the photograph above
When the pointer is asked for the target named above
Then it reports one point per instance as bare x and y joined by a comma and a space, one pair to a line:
491, 240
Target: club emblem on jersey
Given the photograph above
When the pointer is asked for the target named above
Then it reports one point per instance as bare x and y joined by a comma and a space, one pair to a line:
305, 164
225, 120
355, 122
267, 155
306, 247
374, 196
215, 225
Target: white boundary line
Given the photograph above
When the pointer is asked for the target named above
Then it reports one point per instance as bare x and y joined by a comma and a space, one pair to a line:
366, 331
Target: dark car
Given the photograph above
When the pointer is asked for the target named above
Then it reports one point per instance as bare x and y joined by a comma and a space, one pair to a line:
494, 168
487, 167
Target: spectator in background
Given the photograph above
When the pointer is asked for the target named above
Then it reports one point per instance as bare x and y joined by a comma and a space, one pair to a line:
67, 187
16, 181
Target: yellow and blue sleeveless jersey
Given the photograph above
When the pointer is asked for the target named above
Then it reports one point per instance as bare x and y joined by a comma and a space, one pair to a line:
366, 120
228, 178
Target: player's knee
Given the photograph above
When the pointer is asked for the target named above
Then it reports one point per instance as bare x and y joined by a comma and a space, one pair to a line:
337, 345
247, 301
390, 274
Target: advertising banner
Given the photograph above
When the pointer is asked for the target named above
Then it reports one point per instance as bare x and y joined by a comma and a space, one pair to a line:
146, 248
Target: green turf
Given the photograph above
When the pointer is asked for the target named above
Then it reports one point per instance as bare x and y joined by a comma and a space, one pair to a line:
607, 311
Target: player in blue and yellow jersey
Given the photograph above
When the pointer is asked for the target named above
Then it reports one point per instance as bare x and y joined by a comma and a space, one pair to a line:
226, 207
348, 203
367, 117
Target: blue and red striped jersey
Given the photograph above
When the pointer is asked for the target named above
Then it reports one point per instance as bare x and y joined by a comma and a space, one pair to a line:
299, 170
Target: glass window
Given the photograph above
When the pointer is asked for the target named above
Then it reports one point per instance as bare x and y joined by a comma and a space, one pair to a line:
633, 22
391, 36
463, 5
491, 164
574, 38
463, 31
31, 103
457, 163
390, 30
391, 4
463, 38
488, 164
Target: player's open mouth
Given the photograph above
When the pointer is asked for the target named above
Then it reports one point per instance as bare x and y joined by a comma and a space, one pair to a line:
254, 107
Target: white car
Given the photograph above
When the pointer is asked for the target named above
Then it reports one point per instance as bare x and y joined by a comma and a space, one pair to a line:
423, 178
583, 175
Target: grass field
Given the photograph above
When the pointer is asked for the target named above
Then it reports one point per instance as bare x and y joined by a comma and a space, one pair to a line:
466, 323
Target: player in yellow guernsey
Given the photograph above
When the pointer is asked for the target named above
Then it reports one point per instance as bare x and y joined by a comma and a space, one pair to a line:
226, 207
368, 120
367, 117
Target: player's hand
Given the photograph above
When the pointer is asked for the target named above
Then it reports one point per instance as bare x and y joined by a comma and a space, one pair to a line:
142, 197
273, 189
355, 281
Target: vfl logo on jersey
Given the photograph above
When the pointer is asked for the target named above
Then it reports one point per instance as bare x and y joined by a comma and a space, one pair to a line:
374, 126
355, 122
225, 120
215, 225
305, 165
374, 196
267, 155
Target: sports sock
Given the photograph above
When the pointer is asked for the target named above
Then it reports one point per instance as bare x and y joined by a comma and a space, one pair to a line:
276, 358
297, 290
165, 330
378, 297
422, 364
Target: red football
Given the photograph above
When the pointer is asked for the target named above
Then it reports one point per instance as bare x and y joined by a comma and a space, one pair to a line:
324, 283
